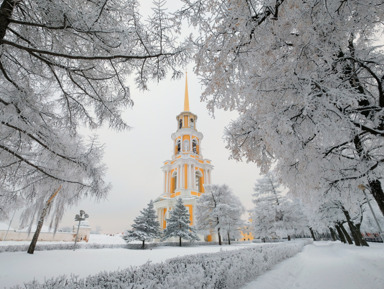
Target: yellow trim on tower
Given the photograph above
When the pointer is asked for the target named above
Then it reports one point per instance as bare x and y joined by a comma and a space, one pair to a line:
185, 176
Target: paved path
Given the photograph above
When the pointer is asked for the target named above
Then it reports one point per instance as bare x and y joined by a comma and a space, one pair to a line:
327, 265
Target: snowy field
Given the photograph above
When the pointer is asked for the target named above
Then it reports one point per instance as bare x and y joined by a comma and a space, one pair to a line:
323, 265
327, 265
19, 267
93, 239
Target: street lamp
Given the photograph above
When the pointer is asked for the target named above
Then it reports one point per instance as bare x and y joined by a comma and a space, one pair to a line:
363, 188
79, 217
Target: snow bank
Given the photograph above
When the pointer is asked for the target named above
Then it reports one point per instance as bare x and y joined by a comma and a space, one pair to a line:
96, 241
59, 246
226, 269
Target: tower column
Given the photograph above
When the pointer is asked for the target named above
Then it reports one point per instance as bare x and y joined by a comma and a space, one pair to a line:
193, 178
205, 176
178, 177
169, 181
209, 176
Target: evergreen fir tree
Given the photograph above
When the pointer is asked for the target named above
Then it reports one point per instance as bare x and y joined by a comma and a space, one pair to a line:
146, 226
178, 225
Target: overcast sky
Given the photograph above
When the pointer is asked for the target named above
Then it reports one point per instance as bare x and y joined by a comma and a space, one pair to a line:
134, 158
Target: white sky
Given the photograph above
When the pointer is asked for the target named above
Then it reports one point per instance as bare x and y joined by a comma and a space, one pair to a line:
134, 158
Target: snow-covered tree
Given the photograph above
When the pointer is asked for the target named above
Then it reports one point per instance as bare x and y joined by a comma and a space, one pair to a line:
267, 215
65, 64
307, 78
178, 224
218, 209
231, 218
146, 226
274, 215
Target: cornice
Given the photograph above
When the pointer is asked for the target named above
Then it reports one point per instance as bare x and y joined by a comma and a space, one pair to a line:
187, 131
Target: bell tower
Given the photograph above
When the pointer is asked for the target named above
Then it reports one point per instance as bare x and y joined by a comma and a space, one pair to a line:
187, 172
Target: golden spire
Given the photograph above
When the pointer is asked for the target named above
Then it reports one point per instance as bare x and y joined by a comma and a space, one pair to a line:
186, 99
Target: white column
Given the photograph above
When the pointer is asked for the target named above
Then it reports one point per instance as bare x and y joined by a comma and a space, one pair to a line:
188, 176
205, 177
166, 181
178, 177
209, 175
193, 178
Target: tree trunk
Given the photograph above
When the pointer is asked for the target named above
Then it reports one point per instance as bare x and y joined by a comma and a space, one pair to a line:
362, 240
341, 235
349, 240
333, 234
352, 228
6, 11
32, 246
143, 245
180, 241
312, 233
229, 239
378, 194
289, 238
219, 236
375, 185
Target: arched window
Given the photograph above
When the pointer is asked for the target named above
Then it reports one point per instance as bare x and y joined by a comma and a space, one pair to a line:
194, 146
178, 146
192, 123
180, 123
186, 145
198, 183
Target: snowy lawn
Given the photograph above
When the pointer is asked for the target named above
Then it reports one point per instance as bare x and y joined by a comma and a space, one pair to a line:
327, 265
19, 267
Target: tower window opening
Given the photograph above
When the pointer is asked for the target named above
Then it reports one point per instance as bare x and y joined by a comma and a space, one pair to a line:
186, 145
198, 182
194, 146
174, 183
180, 123
192, 123
178, 146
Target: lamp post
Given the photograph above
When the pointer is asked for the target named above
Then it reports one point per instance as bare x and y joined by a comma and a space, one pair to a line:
363, 188
79, 217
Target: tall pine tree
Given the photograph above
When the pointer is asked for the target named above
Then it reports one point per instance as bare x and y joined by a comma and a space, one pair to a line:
146, 226
178, 225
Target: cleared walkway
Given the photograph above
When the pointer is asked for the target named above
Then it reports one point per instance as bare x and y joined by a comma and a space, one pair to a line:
327, 265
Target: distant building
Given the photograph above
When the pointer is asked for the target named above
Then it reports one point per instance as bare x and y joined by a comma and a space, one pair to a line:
246, 232
187, 172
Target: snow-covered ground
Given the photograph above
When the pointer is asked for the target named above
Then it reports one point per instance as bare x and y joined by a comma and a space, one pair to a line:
327, 265
323, 265
19, 267
93, 239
